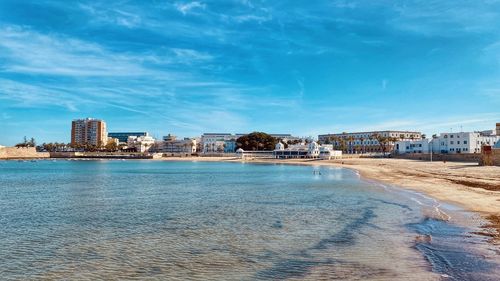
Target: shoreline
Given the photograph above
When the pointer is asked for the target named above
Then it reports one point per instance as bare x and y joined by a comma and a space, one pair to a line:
466, 185
469, 186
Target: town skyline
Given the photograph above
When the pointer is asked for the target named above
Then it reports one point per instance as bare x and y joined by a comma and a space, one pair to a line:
67, 138
190, 67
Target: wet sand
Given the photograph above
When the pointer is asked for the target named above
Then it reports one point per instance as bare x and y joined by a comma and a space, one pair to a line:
468, 185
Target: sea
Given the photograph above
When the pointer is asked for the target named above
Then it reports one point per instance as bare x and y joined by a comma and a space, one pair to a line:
162, 220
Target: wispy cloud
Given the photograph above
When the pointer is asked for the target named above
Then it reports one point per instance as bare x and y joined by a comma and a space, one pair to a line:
185, 8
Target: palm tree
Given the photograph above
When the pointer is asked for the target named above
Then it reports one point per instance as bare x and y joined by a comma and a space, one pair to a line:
351, 143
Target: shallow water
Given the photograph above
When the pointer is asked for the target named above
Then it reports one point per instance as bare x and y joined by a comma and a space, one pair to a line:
141, 220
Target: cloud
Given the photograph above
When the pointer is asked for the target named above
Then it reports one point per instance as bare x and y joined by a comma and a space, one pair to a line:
184, 8
26, 51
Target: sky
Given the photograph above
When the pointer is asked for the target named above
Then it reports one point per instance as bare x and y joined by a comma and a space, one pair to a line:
300, 67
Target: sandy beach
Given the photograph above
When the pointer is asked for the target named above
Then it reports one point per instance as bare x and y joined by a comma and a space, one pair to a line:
468, 185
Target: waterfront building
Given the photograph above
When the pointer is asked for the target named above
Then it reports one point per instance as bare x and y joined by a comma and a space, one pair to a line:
123, 136
88, 131
305, 150
226, 142
218, 142
367, 142
415, 146
450, 143
141, 143
498, 129
171, 144
463, 142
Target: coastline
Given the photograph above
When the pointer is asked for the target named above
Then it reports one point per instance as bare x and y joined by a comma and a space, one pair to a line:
467, 185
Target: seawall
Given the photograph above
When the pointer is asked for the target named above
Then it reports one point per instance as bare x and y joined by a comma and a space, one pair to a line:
21, 153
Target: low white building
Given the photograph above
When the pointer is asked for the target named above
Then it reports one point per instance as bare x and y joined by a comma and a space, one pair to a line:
449, 143
310, 150
416, 146
141, 144
327, 152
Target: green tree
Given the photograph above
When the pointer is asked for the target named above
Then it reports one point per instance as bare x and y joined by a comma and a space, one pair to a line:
256, 141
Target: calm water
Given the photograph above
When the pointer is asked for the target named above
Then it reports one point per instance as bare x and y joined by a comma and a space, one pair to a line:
142, 220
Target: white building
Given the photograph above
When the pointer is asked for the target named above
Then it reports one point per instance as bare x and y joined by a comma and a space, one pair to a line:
141, 144
310, 150
463, 142
218, 142
416, 146
326, 151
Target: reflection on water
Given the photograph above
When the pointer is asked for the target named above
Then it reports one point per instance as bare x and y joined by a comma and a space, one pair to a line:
198, 221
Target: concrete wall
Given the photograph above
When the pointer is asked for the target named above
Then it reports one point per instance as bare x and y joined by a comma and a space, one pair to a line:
464, 157
21, 153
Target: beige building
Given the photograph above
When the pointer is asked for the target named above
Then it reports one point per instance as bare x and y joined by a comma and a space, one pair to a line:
89, 131
367, 142
171, 144
498, 129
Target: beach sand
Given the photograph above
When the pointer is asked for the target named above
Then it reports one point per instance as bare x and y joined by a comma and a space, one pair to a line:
467, 185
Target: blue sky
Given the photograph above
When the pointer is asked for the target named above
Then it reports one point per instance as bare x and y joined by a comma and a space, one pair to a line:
301, 67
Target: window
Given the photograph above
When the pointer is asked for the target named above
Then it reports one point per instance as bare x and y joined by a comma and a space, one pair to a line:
451, 136
451, 142
465, 142
458, 142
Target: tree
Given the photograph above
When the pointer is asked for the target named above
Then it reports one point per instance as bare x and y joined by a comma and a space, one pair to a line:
256, 141
351, 144
111, 146
383, 142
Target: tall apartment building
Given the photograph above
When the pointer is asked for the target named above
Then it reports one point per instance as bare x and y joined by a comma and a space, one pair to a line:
498, 129
366, 142
88, 131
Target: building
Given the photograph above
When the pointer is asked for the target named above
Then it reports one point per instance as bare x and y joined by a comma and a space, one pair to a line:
309, 150
225, 142
88, 131
367, 142
415, 146
449, 143
171, 144
123, 136
140, 144
498, 129
218, 142
463, 142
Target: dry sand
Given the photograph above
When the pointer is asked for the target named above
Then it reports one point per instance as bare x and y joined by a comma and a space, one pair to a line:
468, 185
